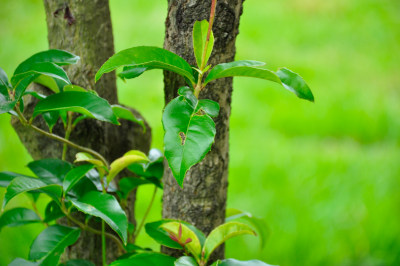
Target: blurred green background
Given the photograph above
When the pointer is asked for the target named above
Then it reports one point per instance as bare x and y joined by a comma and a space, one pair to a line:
324, 176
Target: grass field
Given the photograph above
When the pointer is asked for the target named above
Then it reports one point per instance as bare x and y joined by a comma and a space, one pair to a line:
324, 176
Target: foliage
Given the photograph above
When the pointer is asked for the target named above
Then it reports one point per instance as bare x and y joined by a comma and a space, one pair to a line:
189, 134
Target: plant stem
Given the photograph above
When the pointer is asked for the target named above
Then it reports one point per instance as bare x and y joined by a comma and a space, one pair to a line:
61, 139
146, 213
67, 135
103, 242
210, 24
90, 229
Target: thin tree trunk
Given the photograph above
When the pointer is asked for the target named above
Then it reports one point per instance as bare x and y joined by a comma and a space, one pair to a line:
202, 200
84, 28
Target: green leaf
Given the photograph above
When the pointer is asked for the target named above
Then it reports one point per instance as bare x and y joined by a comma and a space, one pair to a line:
4, 83
52, 212
128, 184
51, 242
22, 262
53, 170
245, 68
200, 30
86, 157
285, 77
155, 231
259, 224
184, 235
81, 102
148, 57
125, 113
75, 175
154, 169
6, 105
51, 119
48, 82
107, 208
47, 69
209, 107
121, 163
233, 262
7, 177
74, 88
148, 259
294, 83
222, 233
132, 72
186, 261
17, 217
188, 135
58, 57
77, 263
25, 184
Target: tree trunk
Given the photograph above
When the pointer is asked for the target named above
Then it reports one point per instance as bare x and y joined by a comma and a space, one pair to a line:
202, 201
84, 28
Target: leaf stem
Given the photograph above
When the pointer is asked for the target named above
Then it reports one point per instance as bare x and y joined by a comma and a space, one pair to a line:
103, 243
146, 213
67, 135
210, 24
61, 139
91, 229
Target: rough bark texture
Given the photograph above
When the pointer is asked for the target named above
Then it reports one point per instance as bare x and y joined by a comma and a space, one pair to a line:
202, 201
84, 28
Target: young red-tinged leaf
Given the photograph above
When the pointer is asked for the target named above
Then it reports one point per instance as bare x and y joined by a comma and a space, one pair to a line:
183, 233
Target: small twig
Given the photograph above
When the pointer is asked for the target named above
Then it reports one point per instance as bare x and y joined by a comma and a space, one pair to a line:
146, 213
61, 139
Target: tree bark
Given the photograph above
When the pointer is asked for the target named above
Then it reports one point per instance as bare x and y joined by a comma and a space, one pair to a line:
84, 28
202, 201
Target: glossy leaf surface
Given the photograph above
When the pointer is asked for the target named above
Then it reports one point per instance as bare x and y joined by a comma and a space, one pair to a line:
186, 261
294, 83
121, 163
47, 69
7, 177
17, 217
22, 262
184, 235
81, 102
58, 57
155, 231
4, 83
233, 262
285, 77
51, 242
53, 170
25, 184
52, 212
125, 113
222, 233
200, 29
148, 57
188, 135
107, 208
77, 263
75, 175
259, 224
148, 259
